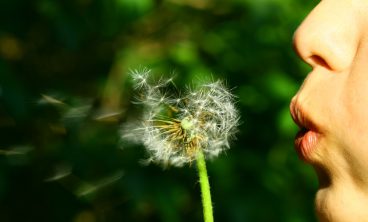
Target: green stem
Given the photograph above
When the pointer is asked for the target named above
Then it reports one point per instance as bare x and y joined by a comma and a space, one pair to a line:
205, 187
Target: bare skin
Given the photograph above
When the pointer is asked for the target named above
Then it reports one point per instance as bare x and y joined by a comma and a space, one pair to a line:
333, 40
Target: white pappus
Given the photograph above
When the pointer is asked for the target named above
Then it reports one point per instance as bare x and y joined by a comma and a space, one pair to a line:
174, 128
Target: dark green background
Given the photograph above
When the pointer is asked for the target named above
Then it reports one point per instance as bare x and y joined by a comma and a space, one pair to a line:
64, 95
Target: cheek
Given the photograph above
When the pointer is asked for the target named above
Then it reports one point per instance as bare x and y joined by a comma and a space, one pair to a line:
356, 110
356, 89
355, 102
353, 133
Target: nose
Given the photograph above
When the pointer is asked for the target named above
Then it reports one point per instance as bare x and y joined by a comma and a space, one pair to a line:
328, 37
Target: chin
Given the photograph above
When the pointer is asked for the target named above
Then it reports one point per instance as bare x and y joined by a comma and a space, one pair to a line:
341, 202
343, 192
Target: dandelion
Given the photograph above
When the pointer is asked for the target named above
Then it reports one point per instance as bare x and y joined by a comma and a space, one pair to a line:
181, 128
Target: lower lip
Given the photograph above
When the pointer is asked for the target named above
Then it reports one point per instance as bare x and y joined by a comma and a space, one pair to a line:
305, 142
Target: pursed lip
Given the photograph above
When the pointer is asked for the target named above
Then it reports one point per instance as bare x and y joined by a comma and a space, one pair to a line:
300, 117
308, 136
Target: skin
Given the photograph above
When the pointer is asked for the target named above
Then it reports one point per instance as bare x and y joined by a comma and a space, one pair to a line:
333, 40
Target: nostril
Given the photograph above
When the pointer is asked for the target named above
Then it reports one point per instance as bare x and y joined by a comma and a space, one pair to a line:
318, 60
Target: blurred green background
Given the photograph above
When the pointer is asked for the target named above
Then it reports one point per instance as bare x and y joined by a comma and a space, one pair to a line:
64, 96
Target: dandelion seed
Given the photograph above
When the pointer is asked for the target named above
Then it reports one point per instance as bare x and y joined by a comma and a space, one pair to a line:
174, 130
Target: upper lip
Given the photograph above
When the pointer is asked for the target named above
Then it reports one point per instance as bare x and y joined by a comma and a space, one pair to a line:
300, 117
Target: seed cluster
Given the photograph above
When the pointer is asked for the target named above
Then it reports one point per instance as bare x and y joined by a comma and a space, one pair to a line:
175, 128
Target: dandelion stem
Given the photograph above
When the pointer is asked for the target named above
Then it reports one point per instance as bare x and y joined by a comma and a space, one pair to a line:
205, 187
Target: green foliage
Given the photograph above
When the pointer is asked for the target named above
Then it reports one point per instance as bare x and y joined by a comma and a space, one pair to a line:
64, 96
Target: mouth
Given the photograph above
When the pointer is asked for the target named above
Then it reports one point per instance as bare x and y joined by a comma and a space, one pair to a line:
307, 138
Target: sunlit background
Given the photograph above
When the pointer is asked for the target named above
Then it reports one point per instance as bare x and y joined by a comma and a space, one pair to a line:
65, 94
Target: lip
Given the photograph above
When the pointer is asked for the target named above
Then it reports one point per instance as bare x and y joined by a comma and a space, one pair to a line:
307, 138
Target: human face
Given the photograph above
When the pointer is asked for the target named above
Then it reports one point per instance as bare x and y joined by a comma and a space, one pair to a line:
332, 106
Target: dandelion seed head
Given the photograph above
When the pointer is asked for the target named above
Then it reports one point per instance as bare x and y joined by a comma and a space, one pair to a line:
173, 129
